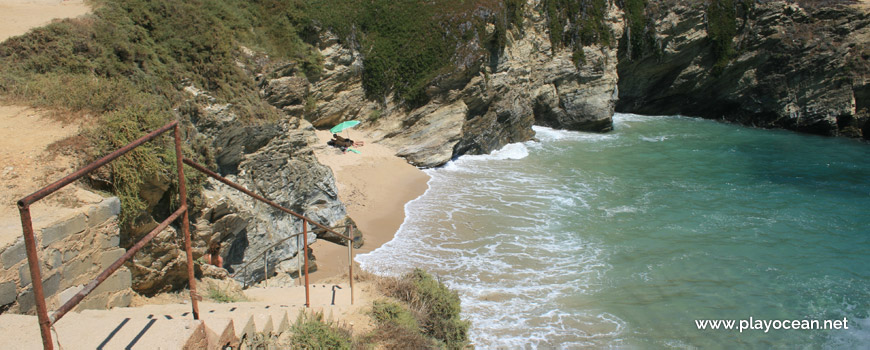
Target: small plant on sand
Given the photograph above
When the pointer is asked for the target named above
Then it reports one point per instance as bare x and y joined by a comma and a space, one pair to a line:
375, 115
435, 307
311, 331
224, 294
397, 328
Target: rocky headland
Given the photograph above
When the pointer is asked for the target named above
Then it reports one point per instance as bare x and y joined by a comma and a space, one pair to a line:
251, 113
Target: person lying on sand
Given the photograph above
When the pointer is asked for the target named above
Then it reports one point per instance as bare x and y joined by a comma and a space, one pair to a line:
343, 143
348, 141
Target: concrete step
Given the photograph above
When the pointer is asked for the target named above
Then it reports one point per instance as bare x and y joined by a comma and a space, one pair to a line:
21, 330
171, 326
220, 333
76, 331
320, 294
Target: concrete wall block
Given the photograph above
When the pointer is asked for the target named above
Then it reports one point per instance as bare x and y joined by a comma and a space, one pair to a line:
110, 241
53, 258
111, 256
14, 254
103, 211
70, 254
75, 269
120, 280
68, 293
61, 230
24, 275
8, 292
51, 285
93, 302
26, 302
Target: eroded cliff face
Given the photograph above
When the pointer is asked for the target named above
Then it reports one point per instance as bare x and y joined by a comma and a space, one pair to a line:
271, 158
276, 161
492, 98
796, 68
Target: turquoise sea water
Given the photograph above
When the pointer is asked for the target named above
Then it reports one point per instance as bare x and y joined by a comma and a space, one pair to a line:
622, 240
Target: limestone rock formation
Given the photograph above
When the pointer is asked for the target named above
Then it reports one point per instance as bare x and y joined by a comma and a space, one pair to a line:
489, 100
281, 166
797, 68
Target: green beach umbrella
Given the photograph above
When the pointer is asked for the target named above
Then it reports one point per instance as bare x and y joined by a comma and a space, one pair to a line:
344, 125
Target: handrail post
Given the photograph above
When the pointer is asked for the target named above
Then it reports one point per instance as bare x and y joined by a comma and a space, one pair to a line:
185, 223
35, 276
266, 268
305, 254
298, 261
349, 231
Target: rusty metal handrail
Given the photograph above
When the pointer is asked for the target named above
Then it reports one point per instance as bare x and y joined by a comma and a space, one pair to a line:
30, 241
45, 322
69, 305
272, 246
236, 186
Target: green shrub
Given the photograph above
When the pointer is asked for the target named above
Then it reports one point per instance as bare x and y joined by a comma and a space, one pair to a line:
127, 63
390, 312
721, 28
436, 306
222, 296
577, 23
406, 44
375, 115
311, 332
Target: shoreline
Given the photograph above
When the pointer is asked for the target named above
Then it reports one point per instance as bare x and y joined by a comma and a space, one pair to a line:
374, 185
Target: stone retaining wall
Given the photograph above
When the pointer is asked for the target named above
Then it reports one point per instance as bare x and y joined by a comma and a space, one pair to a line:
72, 251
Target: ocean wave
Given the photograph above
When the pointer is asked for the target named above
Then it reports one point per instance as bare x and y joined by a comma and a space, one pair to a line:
654, 139
547, 135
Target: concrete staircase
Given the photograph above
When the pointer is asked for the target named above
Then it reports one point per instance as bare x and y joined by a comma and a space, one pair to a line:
270, 311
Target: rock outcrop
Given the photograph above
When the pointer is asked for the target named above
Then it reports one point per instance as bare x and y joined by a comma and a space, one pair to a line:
490, 99
797, 68
276, 161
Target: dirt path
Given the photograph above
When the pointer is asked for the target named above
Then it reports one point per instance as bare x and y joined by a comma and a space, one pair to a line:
18, 16
32, 155
26, 164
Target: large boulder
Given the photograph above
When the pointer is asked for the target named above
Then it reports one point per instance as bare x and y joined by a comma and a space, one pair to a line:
284, 170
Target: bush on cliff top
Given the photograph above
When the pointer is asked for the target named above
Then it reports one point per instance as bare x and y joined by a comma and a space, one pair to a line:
406, 44
436, 307
128, 61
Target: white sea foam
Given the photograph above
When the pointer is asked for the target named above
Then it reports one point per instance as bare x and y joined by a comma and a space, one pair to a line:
510, 151
547, 135
654, 138
511, 233
508, 273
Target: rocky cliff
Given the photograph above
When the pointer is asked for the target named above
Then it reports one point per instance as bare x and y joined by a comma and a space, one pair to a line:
782, 65
275, 160
800, 68
492, 98
793, 67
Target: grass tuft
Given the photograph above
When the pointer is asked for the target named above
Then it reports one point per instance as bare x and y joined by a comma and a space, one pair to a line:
311, 332
435, 307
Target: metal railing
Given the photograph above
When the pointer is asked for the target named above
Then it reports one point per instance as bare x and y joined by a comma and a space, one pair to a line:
45, 322
305, 221
265, 255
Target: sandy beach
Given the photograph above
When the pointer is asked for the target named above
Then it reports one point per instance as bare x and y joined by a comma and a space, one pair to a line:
374, 185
